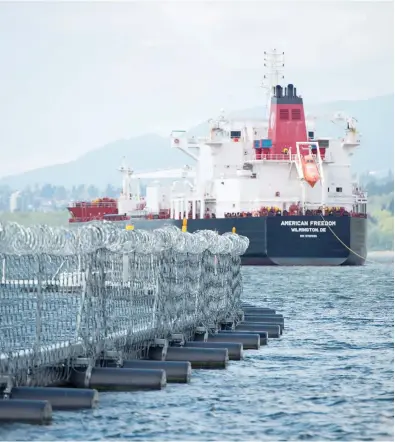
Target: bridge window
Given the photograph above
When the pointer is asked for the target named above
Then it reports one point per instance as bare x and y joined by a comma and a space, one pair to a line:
235, 134
323, 143
339, 189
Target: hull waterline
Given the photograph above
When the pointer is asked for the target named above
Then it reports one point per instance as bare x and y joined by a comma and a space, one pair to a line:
286, 241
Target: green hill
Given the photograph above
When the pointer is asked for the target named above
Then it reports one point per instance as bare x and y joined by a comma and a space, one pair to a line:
381, 213
32, 218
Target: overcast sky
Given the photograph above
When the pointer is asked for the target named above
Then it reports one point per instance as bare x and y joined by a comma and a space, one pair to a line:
75, 76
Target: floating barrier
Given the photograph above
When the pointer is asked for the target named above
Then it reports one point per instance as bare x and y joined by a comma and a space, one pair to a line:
263, 335
176, 371
208, 358
263, 320
275, 319
273, 330
235, 349
249, 341
100, 308
119, 379
26, 411
258, 311
59, 398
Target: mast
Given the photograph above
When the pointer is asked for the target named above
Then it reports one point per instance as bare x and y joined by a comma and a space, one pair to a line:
129, 191
274, 69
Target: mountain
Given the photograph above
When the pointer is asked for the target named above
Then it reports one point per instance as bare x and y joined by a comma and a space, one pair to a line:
99, 166
375, 118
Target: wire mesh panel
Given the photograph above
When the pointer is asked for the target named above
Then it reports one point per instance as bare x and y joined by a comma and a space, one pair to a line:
68, 293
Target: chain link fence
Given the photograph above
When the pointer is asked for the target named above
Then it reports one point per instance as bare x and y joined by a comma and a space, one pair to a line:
68, 293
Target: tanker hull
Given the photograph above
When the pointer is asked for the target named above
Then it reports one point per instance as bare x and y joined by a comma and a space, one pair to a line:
286, 240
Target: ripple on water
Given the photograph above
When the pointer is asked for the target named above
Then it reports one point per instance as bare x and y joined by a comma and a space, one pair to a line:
329, 377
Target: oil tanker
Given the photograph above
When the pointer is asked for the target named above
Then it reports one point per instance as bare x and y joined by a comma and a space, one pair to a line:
274, 180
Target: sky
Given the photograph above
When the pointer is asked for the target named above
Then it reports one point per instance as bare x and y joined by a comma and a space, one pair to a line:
75, 76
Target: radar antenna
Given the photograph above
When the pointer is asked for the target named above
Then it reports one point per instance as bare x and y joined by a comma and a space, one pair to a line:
124, 169
215, 123
351, 121
274, 73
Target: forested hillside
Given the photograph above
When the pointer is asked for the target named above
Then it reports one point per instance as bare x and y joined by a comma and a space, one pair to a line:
381, 212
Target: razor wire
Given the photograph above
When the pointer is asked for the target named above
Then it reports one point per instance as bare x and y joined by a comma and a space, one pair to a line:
68, 293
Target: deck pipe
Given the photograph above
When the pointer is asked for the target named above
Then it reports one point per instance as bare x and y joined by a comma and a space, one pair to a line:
263, 335
208, 358
273, 330
25, 411
120, 379
176, 371
235, 349
249, 341
59, 398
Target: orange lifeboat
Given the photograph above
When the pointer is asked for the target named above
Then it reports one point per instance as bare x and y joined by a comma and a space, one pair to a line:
310, 170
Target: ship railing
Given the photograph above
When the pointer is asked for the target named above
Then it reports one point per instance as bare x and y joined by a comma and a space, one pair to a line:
108, 204
273, 157
109, 217
158, 215
283, 157
360, 194
313, 213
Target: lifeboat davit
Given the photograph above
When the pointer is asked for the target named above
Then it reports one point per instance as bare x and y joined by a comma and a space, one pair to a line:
310, 170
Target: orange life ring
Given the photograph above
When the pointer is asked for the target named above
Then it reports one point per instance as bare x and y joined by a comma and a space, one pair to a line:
176, 141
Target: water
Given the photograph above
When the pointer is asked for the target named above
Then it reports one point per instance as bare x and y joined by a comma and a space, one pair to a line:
330, 376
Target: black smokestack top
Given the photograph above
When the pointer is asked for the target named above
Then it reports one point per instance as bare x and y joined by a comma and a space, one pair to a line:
286, 95
279, 91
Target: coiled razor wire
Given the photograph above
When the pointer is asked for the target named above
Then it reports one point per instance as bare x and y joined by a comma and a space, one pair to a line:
68, 293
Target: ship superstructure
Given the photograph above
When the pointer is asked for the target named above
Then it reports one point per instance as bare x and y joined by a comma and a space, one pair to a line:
246, 166
276, 166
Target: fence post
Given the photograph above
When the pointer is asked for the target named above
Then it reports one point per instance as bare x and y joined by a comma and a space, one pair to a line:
36, 360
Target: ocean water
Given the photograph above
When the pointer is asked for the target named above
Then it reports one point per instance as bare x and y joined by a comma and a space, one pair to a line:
329, 377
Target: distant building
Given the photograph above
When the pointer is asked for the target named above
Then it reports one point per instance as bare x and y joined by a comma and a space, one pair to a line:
20, 202
14, 201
